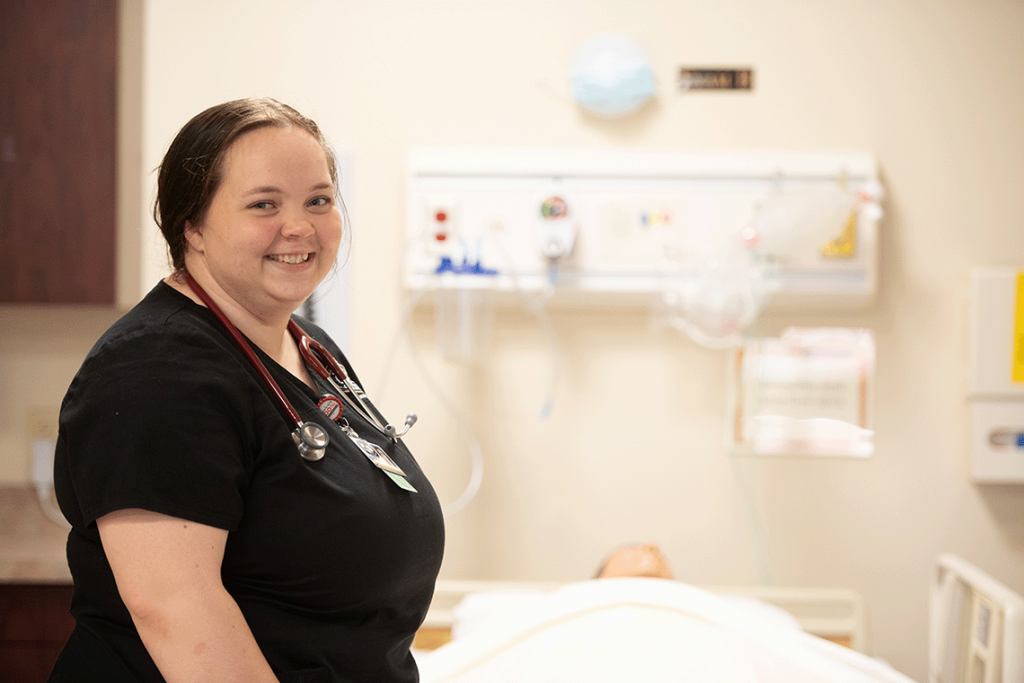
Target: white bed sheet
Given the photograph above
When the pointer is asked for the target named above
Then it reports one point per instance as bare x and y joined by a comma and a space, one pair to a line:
637, 630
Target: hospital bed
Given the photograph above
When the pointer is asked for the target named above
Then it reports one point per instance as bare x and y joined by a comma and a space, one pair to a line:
976, 632
642, 629
832, 613
661, 630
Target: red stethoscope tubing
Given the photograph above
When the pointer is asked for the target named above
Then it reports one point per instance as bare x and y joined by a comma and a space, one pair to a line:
315, 354
247, 350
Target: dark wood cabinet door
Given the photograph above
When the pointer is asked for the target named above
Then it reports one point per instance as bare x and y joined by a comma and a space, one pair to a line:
58, 82
35, 622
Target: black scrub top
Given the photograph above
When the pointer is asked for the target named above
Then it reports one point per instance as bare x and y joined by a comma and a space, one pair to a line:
332, 564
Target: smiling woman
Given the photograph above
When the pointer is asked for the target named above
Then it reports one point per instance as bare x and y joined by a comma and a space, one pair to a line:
270, 233
198, 533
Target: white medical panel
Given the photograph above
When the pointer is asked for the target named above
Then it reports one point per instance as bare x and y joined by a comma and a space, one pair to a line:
608, 227
995, 368
996, 377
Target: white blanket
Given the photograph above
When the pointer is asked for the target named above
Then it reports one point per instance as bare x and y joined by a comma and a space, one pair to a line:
649, 630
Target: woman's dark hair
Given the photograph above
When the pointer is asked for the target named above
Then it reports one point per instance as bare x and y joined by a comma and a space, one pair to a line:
191, 170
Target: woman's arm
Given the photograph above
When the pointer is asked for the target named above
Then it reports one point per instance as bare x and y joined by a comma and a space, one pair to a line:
168, 574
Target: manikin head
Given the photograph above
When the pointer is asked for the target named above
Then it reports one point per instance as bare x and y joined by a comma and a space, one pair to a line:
640, 560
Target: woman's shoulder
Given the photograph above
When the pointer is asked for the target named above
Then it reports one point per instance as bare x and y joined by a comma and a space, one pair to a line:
164, 330
164, 347
164, 317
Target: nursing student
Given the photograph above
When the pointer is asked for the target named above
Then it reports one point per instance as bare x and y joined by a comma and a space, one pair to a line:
237, 516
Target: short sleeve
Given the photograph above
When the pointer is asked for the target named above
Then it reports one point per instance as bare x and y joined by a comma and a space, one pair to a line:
160, 419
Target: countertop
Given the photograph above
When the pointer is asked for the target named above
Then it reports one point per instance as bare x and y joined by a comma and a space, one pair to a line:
32, 546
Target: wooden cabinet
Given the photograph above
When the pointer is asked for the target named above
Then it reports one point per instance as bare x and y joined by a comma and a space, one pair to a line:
58, 121
34, 625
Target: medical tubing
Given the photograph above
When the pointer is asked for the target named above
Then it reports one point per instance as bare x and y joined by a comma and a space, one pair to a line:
316, 355
476, 454
351, 398
757, 531
313, 352
402, 332
535, 305
246, 349
366, 409
389, 359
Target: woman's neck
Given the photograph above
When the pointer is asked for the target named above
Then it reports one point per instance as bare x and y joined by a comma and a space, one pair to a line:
268, 332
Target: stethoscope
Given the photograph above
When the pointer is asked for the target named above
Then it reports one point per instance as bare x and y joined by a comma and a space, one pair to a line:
309, 437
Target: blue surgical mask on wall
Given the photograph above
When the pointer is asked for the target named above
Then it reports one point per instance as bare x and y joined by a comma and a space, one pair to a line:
611, 75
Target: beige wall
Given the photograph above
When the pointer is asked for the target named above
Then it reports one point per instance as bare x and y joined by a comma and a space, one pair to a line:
633, 449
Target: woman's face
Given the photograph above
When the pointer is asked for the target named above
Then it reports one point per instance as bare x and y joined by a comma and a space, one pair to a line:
273, 227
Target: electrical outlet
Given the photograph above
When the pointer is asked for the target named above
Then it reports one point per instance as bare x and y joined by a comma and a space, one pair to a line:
41, 423
41, 429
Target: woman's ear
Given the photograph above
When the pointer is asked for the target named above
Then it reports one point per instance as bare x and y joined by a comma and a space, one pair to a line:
194, 236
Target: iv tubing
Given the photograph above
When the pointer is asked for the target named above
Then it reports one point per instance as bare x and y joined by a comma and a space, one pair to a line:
535, 305
476, 454
760, 540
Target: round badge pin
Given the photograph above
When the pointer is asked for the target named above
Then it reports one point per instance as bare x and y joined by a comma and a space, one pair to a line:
331, 407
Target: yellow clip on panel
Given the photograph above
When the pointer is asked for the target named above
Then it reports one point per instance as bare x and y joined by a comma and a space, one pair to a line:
1018, 331
845, 245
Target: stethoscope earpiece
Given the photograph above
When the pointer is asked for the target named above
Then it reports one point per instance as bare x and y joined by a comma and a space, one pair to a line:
410, 420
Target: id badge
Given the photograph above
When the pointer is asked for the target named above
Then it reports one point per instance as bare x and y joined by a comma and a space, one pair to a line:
378, 457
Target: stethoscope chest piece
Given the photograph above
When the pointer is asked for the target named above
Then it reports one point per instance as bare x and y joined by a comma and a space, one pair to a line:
309, 437
311, 440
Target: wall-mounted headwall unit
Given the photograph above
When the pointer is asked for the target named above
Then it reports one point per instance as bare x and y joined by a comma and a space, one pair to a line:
612, 227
